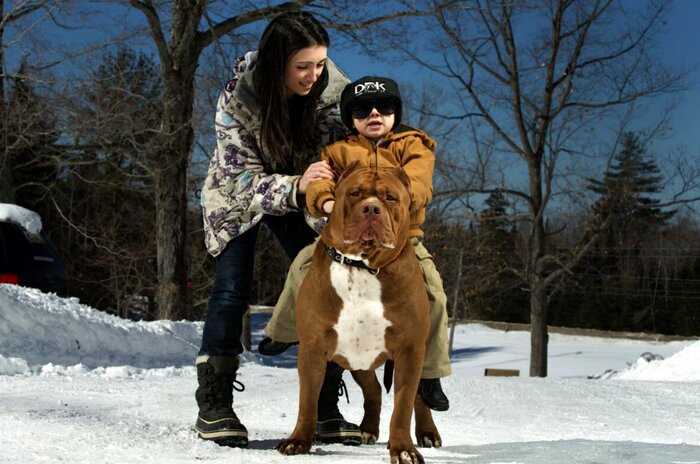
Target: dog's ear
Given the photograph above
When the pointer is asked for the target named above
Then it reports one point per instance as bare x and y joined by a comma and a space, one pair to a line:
400, 174
403, 177
354, 165
332, 233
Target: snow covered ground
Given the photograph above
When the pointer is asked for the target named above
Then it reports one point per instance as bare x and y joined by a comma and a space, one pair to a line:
80, 386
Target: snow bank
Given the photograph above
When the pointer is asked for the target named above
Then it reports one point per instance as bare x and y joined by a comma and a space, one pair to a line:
114, 372
40, 328
13, 366
23, 217
683, 366
81, 386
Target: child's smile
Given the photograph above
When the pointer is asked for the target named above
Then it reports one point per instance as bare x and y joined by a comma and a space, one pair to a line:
375, 125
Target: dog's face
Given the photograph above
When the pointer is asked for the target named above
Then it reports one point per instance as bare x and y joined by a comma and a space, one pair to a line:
370, 218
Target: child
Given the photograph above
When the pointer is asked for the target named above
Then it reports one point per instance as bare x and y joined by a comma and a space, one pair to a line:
371, 108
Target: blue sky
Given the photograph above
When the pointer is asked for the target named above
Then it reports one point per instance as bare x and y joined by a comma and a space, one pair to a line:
680, 47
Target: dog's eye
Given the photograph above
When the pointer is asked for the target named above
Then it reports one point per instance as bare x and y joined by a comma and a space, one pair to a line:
354, 193
391, 198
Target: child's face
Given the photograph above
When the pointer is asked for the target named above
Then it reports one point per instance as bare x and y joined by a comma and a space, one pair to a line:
373, 119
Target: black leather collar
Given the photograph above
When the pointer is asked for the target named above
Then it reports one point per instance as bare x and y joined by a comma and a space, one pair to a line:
342, 259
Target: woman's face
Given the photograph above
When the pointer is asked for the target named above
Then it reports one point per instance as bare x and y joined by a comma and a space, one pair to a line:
304, 68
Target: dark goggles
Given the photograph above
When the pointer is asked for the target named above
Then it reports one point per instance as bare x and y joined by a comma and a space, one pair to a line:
363, 109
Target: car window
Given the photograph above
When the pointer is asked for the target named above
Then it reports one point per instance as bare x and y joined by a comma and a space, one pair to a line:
15, 246
41, 252
4, 263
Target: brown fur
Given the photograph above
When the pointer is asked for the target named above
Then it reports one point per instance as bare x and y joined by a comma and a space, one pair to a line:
382, 239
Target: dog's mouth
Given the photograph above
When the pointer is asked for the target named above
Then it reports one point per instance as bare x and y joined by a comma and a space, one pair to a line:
368, 235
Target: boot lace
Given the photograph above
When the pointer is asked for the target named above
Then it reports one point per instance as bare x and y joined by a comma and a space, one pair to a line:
218, 388
343, 391
238, 385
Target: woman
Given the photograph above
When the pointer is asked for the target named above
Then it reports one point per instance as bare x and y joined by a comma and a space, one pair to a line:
271, 120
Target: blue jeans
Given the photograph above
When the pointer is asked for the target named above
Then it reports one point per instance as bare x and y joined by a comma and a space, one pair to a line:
230, 295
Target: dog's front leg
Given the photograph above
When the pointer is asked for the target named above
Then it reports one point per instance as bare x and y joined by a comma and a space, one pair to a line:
427, 434
312, 368
372, 393
406, 375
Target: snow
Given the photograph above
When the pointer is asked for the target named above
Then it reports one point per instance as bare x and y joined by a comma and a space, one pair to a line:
27, 219
44, 329
682, 366
78, 385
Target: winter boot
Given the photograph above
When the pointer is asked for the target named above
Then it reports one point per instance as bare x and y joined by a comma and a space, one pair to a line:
269, 347
216, 420
331, 426
433, 396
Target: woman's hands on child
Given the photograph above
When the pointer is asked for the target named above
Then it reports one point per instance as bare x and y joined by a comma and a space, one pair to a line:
315, 171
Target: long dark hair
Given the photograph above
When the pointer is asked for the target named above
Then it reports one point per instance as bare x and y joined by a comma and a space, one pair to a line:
289, 129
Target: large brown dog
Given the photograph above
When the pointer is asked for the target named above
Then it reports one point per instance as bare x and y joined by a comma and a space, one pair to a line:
363, 301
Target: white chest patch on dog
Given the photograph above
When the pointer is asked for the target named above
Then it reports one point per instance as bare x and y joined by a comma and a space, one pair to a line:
361, 324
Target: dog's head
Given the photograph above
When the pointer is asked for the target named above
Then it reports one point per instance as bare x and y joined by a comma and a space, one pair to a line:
370, 218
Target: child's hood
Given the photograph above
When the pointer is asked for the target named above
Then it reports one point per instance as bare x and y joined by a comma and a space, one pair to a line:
404, 131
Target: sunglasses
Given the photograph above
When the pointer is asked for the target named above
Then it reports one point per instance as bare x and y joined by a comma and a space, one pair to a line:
362, 110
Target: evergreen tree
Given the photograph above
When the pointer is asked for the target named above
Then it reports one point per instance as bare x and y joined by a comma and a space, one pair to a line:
119, 114
626, 192
497, 294
31, 137
632, 215
493, 221
108, 192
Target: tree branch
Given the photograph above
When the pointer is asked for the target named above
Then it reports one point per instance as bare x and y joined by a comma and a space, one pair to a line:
629, 48
20, 11
205, 38
147, 8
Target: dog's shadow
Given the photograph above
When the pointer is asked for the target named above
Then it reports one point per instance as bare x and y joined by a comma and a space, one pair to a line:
269, 444
316, 449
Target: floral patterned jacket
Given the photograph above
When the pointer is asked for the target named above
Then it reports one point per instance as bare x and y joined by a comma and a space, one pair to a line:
238, 191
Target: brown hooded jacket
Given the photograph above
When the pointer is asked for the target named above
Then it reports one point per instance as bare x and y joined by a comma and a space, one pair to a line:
408, 148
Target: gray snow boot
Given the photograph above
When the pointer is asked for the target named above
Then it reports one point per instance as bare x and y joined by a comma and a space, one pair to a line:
216, 420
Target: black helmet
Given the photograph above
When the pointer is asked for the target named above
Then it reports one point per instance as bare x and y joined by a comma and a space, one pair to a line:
369, 88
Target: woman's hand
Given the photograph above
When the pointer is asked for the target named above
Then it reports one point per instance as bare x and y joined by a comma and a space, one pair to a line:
315, 171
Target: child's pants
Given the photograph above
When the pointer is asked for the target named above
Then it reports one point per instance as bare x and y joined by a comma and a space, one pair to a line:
282, 325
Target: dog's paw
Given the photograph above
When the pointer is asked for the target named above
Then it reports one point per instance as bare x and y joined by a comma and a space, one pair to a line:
407, 457
294, 446
369, 438
428, 439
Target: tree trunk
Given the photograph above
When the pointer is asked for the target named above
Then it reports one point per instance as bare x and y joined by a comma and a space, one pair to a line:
172, 295
539, 338
171, 231
536, 249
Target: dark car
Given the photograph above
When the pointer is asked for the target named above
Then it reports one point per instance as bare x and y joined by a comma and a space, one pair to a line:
29, 260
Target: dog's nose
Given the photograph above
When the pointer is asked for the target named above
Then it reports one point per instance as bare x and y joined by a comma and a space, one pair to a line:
371, 207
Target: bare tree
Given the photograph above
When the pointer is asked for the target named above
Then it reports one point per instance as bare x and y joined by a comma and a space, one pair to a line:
16, 12
179, 56
103, 205
541, 74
